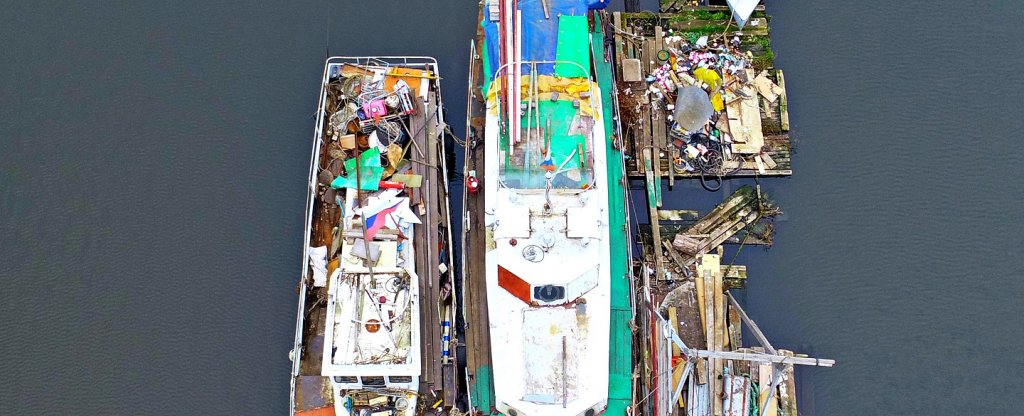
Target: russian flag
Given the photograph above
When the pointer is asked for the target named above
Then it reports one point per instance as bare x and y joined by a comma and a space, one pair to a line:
377, 221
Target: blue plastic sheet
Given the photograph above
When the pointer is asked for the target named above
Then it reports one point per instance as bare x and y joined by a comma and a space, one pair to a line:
493, 45
539, 34
539, 37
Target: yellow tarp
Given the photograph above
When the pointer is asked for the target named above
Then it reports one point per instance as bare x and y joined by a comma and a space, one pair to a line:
568, 89
714, 82
413, 77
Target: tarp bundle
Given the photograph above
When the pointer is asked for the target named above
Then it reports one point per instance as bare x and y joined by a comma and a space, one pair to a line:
741, 10
567, 89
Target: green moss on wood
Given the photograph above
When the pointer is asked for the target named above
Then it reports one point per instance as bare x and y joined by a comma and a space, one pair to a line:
764, 61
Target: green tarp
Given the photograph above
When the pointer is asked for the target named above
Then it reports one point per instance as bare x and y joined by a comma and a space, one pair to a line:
573, 46
370, 172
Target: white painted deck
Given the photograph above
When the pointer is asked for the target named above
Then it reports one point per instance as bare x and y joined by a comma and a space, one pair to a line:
567, 247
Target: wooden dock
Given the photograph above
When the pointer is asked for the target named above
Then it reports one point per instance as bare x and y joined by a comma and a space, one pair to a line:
692, 300
755, 118
478, 376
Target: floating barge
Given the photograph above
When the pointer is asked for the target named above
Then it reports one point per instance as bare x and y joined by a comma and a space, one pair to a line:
375, 297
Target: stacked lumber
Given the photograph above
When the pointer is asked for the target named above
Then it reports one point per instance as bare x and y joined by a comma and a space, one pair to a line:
737, 212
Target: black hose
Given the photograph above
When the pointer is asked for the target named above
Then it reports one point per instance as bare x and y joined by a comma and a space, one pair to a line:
704, 182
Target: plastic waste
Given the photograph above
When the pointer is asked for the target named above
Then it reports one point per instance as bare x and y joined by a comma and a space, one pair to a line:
693, 108
370, 171
714, 81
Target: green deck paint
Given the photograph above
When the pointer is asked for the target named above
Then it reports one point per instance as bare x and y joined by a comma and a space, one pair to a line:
483, 390
573, 46
620, 383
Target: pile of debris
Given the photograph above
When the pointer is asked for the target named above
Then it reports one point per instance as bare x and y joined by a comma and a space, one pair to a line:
375, 115
709, 91
713, 99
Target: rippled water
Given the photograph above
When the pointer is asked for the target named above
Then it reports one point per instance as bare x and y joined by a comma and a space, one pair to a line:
153, 160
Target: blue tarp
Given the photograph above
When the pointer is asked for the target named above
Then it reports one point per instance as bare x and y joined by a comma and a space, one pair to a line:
493, 45
539, 37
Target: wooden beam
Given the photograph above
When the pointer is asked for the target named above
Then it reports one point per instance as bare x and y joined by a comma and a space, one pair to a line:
674, 255
761, 339
659, 263
783, 102
762, 358
787, 388
735, 327
673, 319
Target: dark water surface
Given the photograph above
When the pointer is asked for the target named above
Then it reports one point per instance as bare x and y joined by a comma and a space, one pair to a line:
153, 159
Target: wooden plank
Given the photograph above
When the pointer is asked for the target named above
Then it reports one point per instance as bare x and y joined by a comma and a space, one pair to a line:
743, 197
653, 212
783, 102
617, 24
787, 389
702, 370
671, 9
708, 270
474, 306
647, 57
769, 407
766, 87
744, 117
658, 136
762, 358
734, 272
644, 138
701, 305
753, 368
677, 375
659, 45
735, 327
721, 338
676, 259
431, 273
673, 320
677, 214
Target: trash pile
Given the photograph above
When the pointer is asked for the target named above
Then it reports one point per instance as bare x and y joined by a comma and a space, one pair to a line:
375, 114
710, 93
370, 111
